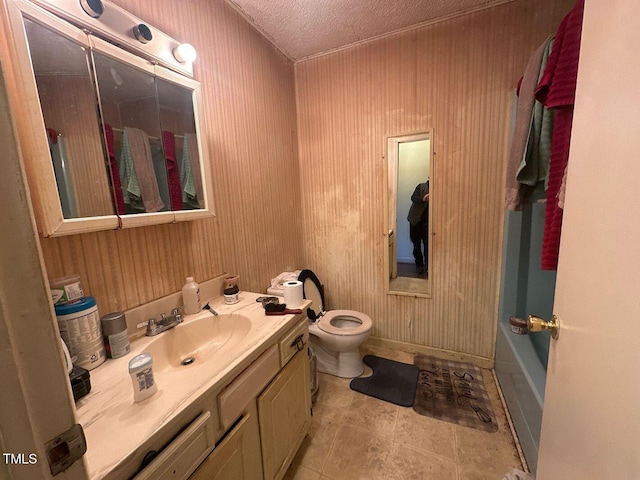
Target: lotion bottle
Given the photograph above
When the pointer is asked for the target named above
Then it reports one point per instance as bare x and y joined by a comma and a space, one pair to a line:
191, 297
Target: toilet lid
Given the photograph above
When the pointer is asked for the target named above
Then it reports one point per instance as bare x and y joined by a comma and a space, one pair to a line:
312, 290
326, 323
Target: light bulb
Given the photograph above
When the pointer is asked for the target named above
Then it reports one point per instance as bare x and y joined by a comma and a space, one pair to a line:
184, 53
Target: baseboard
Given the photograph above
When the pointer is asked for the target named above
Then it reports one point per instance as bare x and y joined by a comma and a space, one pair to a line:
481, 362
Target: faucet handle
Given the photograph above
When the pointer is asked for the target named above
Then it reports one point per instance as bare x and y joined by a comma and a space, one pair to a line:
177, 313
152, 326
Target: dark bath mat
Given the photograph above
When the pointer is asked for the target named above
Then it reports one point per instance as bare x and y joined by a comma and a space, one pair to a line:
453, 392
391, 381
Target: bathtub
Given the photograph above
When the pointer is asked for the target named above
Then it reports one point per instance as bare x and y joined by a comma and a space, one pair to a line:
522, 377
521, 360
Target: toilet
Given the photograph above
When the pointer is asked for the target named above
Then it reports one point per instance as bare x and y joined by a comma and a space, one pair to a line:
336, 335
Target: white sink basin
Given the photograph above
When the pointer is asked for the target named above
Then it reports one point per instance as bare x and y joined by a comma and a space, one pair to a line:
196, 342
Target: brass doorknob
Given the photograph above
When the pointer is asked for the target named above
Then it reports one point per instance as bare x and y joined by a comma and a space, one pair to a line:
537, 324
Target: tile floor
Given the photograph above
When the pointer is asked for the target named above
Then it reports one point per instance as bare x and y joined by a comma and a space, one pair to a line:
354, 436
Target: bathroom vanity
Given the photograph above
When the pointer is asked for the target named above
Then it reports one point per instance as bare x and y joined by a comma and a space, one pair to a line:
240, 410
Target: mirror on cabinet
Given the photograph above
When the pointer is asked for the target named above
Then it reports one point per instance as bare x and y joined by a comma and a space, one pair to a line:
131, 123
180, 139
111, 139
409, 196
68, 101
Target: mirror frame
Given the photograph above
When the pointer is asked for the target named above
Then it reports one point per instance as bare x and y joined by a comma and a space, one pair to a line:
27, 114
25, 107
391, 201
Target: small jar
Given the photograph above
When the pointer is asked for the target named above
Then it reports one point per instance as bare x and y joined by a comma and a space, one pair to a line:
231, 290
518, 325
231, 295
141, 372
114, 333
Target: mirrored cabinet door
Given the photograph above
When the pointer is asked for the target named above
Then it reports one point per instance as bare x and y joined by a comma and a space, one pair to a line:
180, 140
110, 139
131, 121
68, 102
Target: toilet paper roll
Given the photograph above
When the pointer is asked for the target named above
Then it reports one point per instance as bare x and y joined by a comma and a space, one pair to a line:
293, 294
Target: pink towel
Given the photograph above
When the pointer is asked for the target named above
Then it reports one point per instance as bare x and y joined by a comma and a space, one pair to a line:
173, 173
113, 166
556, 90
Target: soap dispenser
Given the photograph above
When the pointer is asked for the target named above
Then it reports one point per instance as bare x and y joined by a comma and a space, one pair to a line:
191, 297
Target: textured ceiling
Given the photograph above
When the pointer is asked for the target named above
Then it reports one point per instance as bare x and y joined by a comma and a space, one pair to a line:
303, 28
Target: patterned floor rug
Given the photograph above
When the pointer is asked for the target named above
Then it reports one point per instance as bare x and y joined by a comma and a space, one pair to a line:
454, 392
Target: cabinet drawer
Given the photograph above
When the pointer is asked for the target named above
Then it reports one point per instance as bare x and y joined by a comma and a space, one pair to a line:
294, 341
183, 455
247, 386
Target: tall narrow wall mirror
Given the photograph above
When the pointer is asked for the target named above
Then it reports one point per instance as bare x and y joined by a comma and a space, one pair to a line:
409, 167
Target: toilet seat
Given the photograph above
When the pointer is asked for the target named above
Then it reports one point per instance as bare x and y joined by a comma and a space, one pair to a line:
325, 322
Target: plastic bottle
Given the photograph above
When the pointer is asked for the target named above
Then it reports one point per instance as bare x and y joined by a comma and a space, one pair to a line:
191, 297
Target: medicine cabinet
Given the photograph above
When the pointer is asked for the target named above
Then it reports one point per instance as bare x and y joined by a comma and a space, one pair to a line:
112, 136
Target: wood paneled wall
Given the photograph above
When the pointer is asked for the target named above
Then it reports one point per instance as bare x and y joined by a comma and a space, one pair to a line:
456, 76
249, 102
280, 207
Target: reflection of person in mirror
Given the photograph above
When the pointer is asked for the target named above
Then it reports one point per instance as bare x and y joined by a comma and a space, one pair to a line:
418, 226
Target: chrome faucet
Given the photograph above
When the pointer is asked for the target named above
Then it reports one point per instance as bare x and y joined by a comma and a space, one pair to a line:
154, 327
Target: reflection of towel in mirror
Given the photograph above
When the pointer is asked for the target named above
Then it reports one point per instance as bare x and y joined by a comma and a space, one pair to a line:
139, 184
173, 174
114, 169
190, 178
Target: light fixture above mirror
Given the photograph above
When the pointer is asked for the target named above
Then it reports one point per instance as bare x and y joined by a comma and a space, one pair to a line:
185, 53
110, 22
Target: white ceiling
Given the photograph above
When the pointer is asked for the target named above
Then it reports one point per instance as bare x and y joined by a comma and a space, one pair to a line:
303, 28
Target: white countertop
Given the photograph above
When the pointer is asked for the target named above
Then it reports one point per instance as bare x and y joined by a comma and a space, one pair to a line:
115, 427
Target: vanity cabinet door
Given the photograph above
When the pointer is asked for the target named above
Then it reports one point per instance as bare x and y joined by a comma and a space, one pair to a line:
285, 414
237, 457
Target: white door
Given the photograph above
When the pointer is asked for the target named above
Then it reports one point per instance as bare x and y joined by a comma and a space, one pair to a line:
35, 402
591, 420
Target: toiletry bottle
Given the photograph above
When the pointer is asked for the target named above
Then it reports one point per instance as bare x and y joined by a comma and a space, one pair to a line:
114, 333
191, 297
141, 372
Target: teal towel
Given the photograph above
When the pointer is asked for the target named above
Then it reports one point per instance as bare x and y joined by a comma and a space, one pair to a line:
186, 175
192, 196
128, 177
